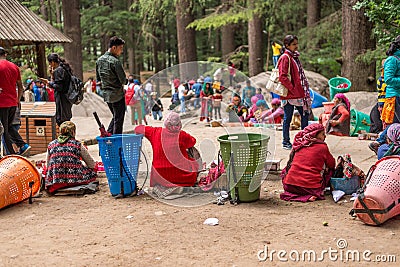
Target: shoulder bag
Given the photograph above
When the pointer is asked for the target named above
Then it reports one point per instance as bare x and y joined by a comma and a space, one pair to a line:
274, 85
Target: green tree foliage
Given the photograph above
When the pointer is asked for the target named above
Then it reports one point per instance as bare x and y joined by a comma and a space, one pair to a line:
385, 14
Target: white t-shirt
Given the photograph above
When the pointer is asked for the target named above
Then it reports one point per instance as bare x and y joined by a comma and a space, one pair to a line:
181, 91
148, 88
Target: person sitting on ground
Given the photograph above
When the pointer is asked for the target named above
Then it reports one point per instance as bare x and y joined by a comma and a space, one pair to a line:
171, 164
392, 146
260, 113
64, 165
235, 110
339, 120
252, 109
275, 114
310, 166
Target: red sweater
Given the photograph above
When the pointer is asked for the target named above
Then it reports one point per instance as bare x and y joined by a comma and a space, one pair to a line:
171, 164
295, 90
307, 166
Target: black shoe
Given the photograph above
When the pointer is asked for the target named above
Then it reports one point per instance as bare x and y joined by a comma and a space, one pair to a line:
287, 146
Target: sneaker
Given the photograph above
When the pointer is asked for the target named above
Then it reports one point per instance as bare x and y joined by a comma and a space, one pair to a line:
24, 149
287, 146
374, 146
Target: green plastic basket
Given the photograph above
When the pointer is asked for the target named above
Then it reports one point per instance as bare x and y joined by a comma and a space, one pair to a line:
359, 121
334, 82
249, 152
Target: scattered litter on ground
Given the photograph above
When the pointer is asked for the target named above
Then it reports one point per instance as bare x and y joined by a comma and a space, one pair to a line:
211, 221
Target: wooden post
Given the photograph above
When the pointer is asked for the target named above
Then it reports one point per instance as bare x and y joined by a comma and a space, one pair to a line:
41, 60
268, 48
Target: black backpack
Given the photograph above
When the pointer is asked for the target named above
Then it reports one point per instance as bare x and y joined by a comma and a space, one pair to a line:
75, 89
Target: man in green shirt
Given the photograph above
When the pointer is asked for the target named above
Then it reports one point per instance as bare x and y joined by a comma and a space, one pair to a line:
112, 77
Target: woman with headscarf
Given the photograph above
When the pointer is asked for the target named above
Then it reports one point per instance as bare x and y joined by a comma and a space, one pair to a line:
392, 147
309, 168
292, 77
171, 165
206, 102
275, 114
339, 119
64, 165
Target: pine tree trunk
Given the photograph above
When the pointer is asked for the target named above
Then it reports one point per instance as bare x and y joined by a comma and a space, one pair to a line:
356, 39
186, 38
227, 33
72, 28
255, 39
313, 12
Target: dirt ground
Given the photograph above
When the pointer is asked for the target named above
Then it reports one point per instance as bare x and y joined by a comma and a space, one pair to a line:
98, 230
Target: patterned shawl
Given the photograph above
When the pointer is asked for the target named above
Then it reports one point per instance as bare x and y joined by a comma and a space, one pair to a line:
304, 82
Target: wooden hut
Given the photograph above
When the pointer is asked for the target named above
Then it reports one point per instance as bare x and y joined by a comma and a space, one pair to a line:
21, 28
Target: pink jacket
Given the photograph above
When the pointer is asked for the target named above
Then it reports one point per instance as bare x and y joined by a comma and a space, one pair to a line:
295, 90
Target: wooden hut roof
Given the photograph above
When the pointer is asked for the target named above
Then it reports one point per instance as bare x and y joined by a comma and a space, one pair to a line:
21, 26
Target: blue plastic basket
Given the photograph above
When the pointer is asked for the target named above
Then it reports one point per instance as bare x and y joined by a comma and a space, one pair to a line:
348, 186
120, 154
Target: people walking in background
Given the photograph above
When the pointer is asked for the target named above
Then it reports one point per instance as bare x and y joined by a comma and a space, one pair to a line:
276, 52
110, 72
29, 96
232, 72
156, 107
248, 92
206, 102
298, 89
60, 73
10, 77
216, 102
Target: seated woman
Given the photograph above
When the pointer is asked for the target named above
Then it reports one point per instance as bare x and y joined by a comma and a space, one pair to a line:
310, 166
171, 165
252, 109
275, 114
64, 165
392, 146
339, 120
261, 112
236, 111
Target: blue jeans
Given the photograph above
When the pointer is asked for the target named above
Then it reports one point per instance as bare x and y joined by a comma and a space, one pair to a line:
196, 102
382, 136
287, 119
275, 60
157, 114
183, 107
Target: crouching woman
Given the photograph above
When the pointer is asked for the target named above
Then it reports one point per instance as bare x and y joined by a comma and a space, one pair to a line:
309, 168
171, 165
64, 165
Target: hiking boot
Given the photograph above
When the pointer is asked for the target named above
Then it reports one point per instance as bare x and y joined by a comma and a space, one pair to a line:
24, 149
374, 146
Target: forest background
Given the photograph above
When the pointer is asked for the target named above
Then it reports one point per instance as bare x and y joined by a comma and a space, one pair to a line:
346, 38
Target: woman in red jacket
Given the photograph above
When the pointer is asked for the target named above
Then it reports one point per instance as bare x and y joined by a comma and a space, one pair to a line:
171, 165
291, 75
310, 166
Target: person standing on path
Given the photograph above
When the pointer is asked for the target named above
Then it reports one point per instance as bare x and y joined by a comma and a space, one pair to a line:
60, 72
10, 78
110, 72
276, 52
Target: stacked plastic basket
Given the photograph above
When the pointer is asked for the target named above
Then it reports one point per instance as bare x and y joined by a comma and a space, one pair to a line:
121, 155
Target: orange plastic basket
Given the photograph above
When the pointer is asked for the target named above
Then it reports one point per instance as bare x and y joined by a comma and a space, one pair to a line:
380, 198
16, 175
